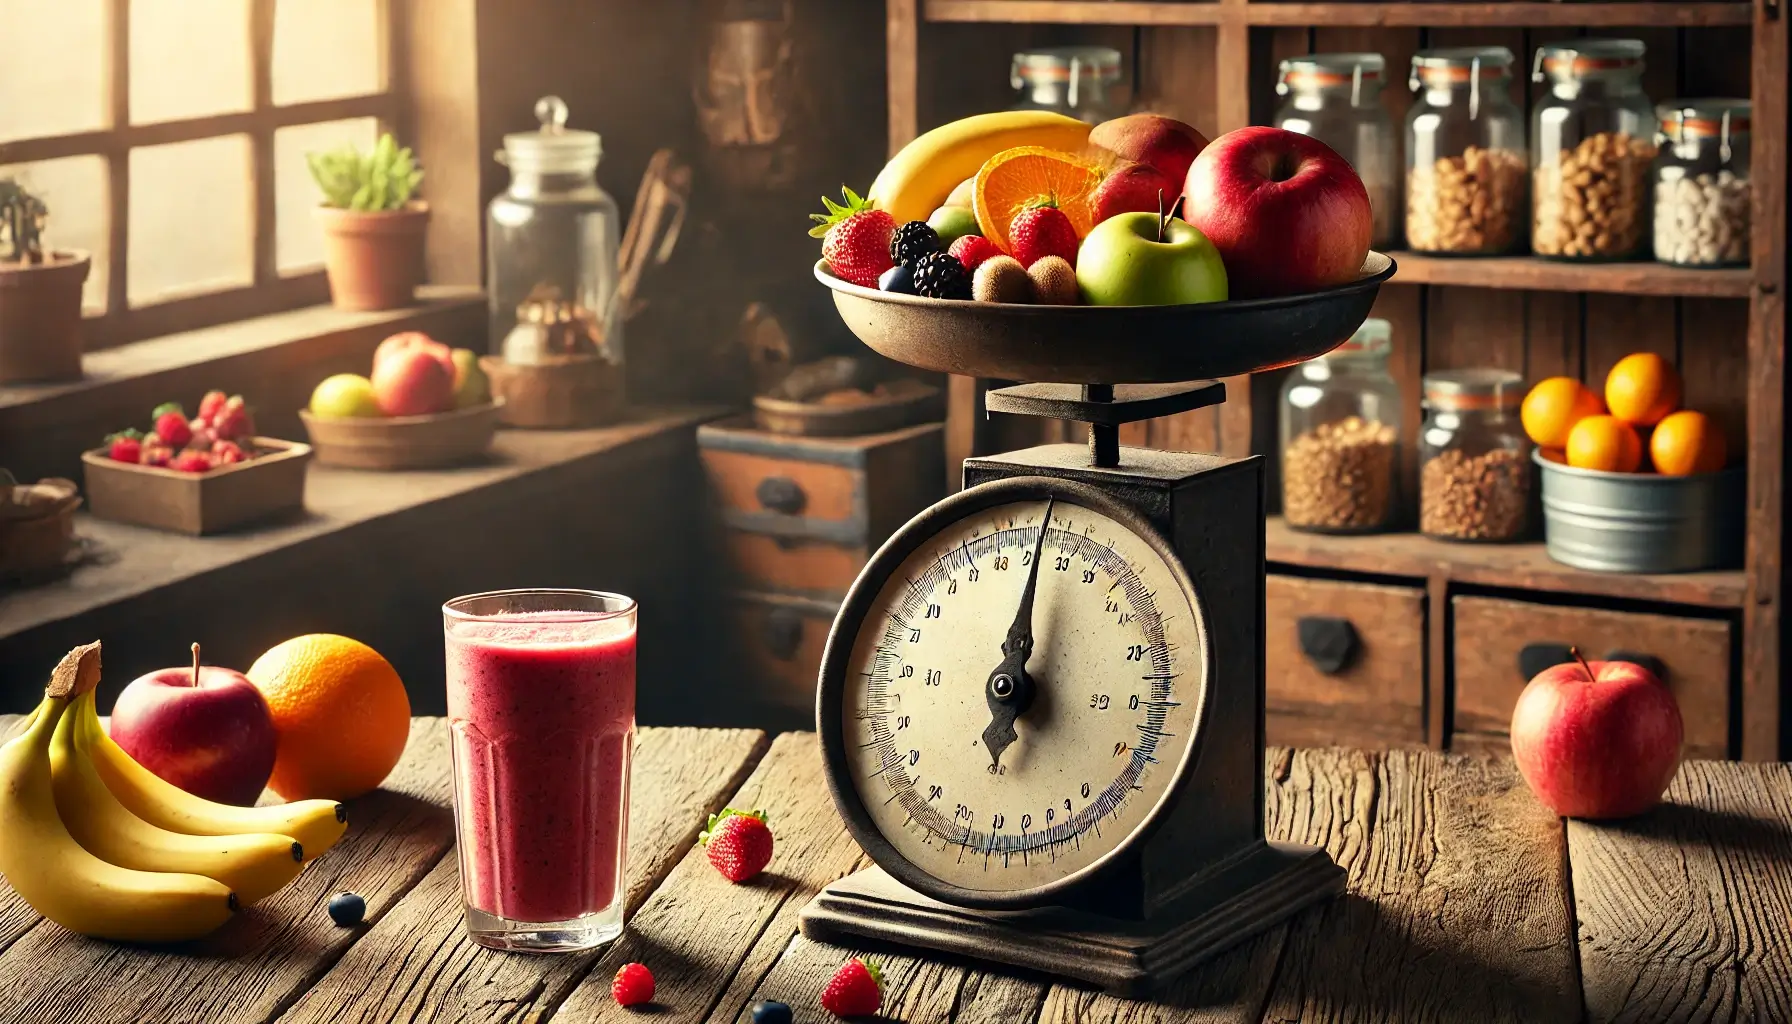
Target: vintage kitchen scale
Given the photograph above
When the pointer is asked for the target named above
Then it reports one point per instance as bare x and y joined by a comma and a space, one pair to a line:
1050, 742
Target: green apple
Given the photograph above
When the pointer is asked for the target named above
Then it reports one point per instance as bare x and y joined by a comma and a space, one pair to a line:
1121, 263
344, 396
952, 223
470, 384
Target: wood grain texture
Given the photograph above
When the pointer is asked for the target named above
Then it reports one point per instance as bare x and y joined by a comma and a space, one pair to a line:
764, 562
1685, 914
1378, 697
254, 966
417, 964
831, 493
1460, 12
1526, 272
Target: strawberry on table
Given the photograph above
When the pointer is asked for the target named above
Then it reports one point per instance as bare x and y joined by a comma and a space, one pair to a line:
633, 985
739, 842
125, 446
855, 239
1042, 230
857, 990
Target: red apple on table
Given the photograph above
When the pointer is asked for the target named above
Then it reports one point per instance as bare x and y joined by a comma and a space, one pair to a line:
204, 729
1287, 213
1597, 739
1133, 188
413, 382
1164, 143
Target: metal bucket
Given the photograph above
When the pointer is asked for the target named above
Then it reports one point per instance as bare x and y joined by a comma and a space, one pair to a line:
1642, 522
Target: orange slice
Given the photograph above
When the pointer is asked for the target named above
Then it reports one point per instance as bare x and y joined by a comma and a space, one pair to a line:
1012, 179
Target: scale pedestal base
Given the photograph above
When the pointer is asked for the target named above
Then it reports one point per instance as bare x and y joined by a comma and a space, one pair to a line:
1216, 911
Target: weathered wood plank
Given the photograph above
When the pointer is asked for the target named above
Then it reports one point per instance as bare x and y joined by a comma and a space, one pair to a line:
417, 963
1685, 914
254, 966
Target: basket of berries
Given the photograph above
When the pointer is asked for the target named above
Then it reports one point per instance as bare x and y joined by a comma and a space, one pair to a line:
199, 475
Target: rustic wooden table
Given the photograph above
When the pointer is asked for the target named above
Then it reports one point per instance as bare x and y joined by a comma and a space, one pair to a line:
1467, 902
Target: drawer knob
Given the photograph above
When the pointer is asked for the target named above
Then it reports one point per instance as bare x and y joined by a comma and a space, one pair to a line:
1329, 643
1534, 658
781, 494
782, 633
1649, 661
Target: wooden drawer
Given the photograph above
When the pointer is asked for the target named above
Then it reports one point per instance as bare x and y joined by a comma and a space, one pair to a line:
1363, 684
781, 639
816, 568
1491, 633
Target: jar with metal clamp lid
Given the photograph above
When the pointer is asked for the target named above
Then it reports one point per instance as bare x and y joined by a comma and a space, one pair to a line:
1701, 183
1465, 153
1592, 144
1336, 98
1075, 80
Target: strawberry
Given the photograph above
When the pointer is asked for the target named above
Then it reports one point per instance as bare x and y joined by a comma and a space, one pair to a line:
972, 250
155, 452
740, 844
855, 239
226, 453
857, 990
203, 434
633, 985
1042, 230
172, 428
191, 462
165, 408
125, 446
233, 421
210, 404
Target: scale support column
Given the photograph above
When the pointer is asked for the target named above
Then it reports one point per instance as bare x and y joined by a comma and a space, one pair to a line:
1105, 407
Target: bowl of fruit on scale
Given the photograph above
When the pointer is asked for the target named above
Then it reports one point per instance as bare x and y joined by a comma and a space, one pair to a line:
1027, 245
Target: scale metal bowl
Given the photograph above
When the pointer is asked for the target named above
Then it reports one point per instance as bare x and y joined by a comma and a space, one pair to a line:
1107, 344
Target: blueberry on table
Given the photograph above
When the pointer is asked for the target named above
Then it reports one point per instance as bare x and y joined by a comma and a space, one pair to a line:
770, 1011
347, 909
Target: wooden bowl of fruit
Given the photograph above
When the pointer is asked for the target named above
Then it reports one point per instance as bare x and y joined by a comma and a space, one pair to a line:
424, 406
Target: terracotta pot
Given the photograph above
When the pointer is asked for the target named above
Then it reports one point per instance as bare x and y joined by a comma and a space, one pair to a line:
375, 260
40, 318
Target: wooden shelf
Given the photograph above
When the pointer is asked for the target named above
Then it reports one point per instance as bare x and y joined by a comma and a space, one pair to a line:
1591, 13
1521, 566
1529, 272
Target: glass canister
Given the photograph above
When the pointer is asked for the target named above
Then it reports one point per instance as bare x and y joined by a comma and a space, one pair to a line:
1592, 144
1701, 183
1074, 80
1465, 153
1336, 98
1340, 428
551, 246
1475, 476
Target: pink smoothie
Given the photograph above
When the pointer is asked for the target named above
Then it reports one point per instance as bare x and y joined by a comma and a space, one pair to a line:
543, 714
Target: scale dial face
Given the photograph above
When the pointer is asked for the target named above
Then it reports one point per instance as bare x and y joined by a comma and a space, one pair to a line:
1118, 669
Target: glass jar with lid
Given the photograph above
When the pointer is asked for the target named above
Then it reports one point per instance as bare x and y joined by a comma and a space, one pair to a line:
1336, 98
1701, 183
551, 247
1475, 475
1075, 80
1465, 153
1340, 429
1592, 143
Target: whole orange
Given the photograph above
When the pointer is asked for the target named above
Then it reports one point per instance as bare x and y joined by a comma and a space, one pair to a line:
1604, 442
1687, 442
341, 713
1642, 388
1554, 406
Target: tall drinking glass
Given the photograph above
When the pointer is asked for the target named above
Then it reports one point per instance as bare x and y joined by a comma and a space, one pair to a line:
541, 708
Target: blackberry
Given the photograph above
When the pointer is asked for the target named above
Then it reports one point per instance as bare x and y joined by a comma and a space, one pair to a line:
939, 275
912, 241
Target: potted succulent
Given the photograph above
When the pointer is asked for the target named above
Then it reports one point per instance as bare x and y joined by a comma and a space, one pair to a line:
40, 294
373, 228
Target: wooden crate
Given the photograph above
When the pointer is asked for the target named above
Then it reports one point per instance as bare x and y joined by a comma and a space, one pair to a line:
199, 503
1344, 663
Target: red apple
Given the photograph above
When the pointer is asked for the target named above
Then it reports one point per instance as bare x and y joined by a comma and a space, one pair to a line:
413, 382
1287, 213
1597, 739
1161, 142
409, 341
1133, 188
206, 730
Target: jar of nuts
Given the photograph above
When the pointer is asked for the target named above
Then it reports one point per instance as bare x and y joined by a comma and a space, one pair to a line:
1340, 425
1592, 144
1701, 183
1475, 475
1336, 98
1465, 153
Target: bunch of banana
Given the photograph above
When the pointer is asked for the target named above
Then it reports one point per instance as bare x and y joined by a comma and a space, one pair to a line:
100, 845
920, 176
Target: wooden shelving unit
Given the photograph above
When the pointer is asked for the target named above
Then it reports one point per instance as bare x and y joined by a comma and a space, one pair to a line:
1213, 64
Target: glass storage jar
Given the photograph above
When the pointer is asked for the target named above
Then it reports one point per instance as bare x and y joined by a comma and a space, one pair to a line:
1074, 80
551, 246
1701, 183
1336, 98
1475, 479
1340, 429
1592, 145
1465, 153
